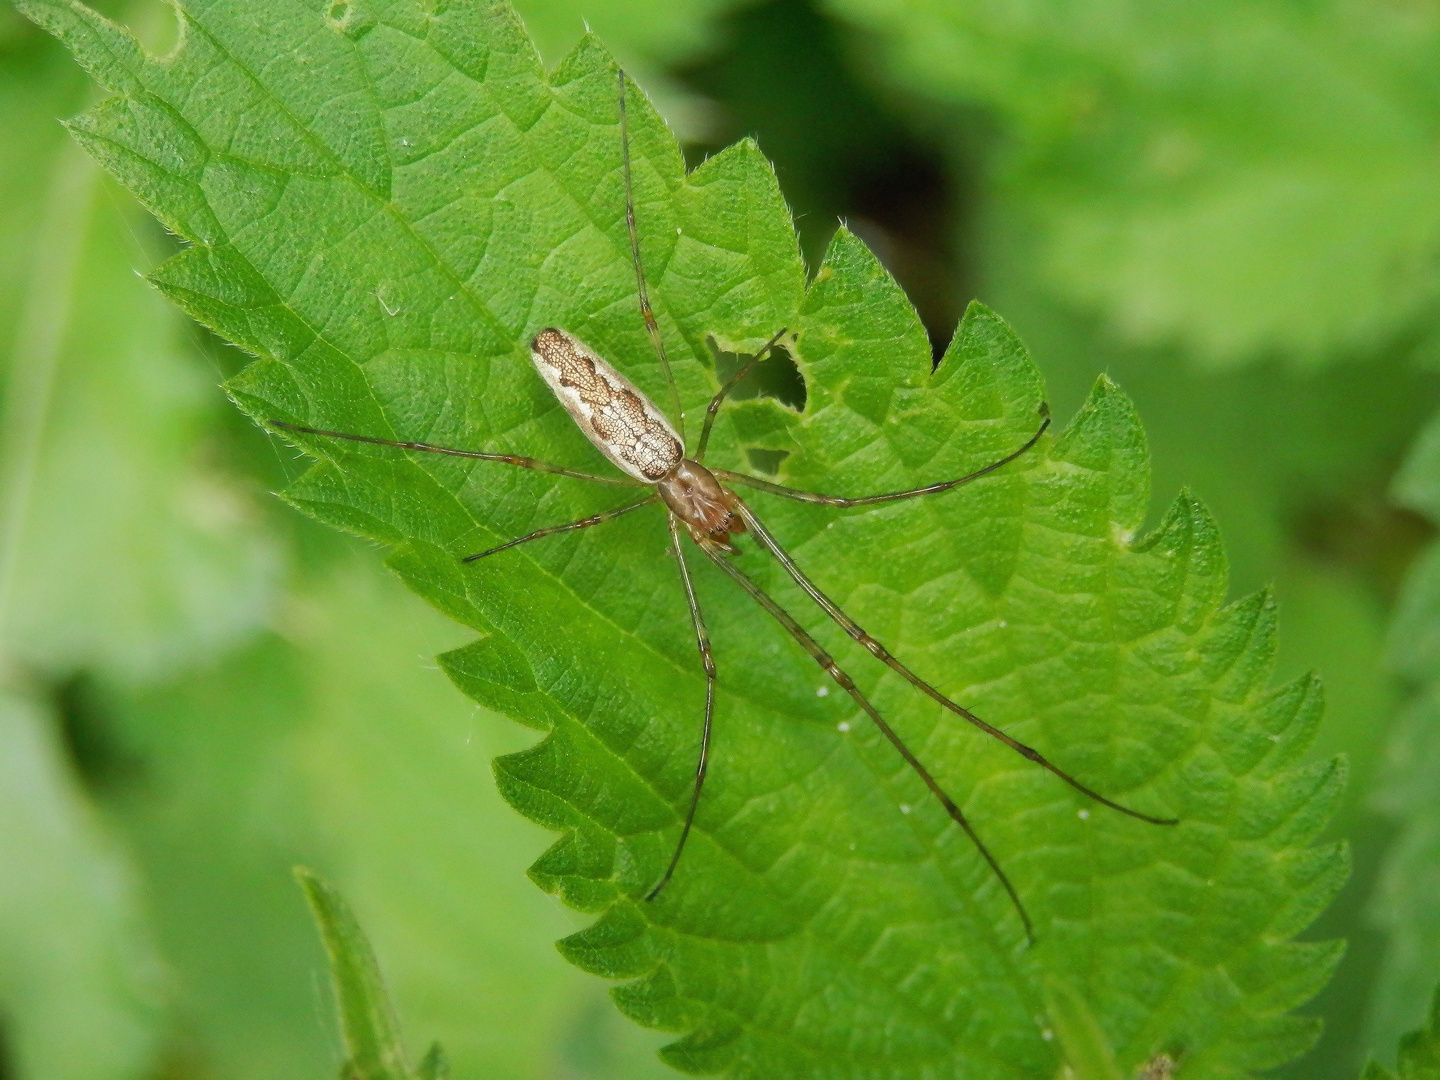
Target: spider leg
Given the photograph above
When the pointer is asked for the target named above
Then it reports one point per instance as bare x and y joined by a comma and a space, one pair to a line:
719, 398
867, 500
702, 642
583, 523
851, 627
651, 326
505, 459
821, 657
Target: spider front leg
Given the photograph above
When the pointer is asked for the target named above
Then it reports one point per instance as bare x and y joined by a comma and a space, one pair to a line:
583, 523
867, 500
724, 392
702, 642
429, 448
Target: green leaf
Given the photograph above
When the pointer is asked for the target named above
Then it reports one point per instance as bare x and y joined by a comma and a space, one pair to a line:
1087, 1052
372, 1031
213, 806
394, 765
387, 237
1243, 179
124, 551
1405, 903
1419, 1054
340, 745
1286, 459
81, 986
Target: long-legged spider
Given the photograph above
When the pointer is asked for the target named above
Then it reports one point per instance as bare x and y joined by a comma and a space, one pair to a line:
637, 437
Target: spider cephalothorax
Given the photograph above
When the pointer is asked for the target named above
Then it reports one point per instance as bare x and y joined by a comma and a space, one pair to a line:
708, 511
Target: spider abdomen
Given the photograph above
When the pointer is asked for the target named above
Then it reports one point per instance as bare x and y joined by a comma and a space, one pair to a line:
621, 421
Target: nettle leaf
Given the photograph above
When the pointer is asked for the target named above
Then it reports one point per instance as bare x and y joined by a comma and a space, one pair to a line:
1405, 903
1419, 1054
81, 989
125, 551
385, 201
1087, 1055
374, 1049
373, 1046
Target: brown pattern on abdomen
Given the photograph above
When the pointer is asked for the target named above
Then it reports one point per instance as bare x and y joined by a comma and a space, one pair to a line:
612, 413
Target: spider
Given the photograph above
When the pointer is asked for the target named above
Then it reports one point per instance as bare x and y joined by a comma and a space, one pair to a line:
635, 435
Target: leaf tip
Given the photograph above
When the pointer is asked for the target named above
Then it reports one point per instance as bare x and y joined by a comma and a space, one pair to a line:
111, 54
614, 946
706, 1050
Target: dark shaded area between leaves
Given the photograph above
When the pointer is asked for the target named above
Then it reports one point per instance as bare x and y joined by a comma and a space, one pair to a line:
785, 73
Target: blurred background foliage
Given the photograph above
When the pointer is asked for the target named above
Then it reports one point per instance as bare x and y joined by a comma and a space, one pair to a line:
1234, 208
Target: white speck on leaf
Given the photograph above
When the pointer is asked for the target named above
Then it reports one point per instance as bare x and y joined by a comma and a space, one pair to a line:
843, 725
824, 691
904, 808
1084, 815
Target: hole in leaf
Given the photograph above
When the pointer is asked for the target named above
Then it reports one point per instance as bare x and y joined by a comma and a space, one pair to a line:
798, 80
777, 376
766, 461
